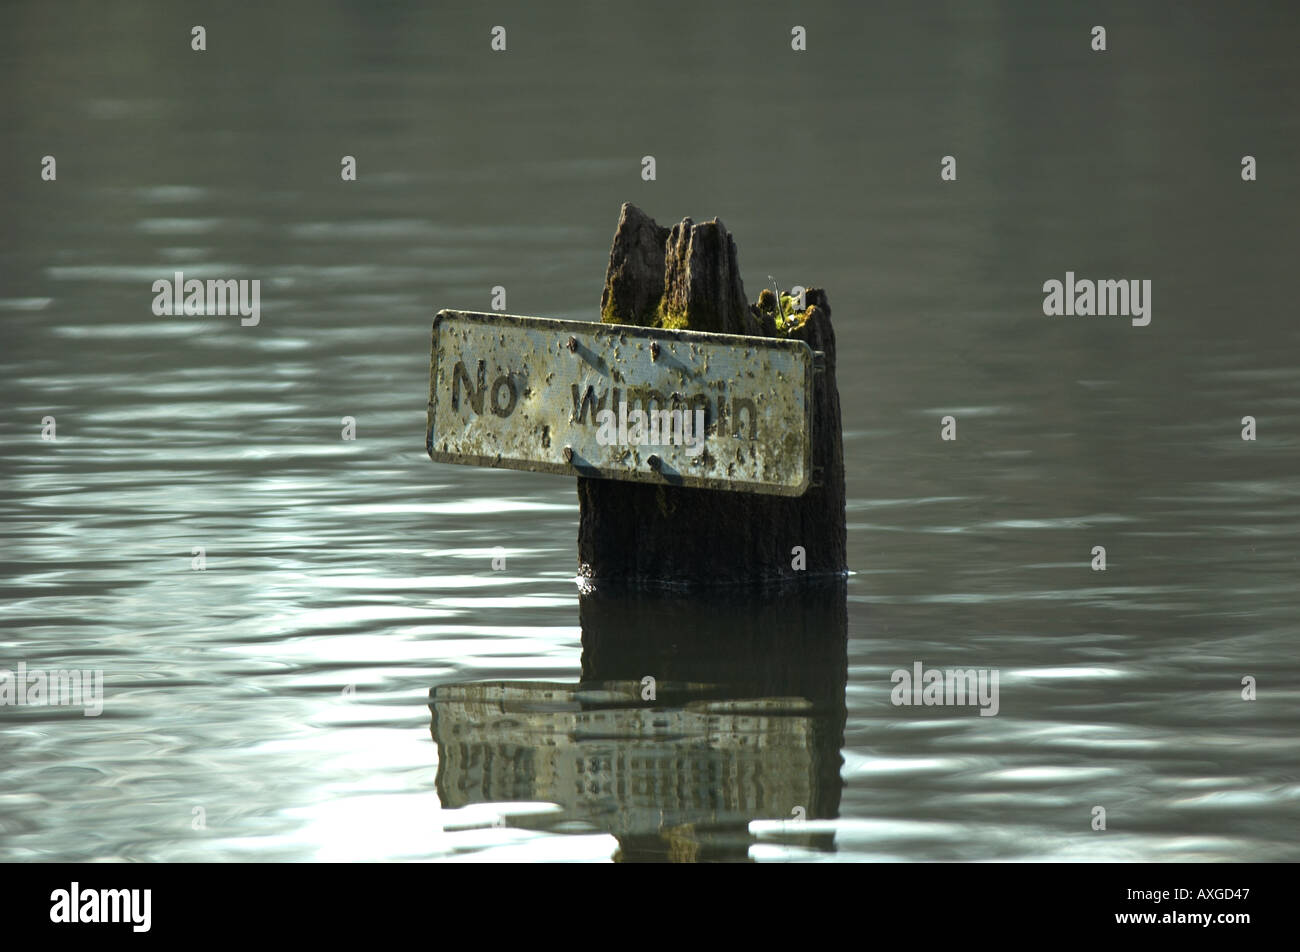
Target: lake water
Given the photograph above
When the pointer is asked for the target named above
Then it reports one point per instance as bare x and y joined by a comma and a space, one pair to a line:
350, 678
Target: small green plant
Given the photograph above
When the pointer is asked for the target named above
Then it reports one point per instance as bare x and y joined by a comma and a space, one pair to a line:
785, 306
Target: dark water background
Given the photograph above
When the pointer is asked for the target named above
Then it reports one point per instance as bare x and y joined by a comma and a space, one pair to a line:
334, 564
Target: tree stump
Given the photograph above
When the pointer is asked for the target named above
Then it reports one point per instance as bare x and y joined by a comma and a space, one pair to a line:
687, 278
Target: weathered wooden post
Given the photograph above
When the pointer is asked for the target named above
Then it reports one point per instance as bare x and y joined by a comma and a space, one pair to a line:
688, 277
704, 431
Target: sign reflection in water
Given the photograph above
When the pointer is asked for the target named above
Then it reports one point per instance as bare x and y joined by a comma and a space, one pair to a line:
746, 723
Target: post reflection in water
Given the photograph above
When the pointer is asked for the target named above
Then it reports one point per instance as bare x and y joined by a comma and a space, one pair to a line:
746, 723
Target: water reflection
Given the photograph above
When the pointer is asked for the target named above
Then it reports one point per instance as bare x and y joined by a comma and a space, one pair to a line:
745, 723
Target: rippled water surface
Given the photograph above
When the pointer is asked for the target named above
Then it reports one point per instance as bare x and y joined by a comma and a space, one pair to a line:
350, 678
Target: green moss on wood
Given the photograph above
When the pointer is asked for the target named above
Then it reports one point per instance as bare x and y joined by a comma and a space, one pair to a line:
784, 313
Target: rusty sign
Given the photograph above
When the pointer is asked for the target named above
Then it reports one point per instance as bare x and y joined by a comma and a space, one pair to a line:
714, 411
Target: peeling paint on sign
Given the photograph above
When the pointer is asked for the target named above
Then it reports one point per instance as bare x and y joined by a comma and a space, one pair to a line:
614, 401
